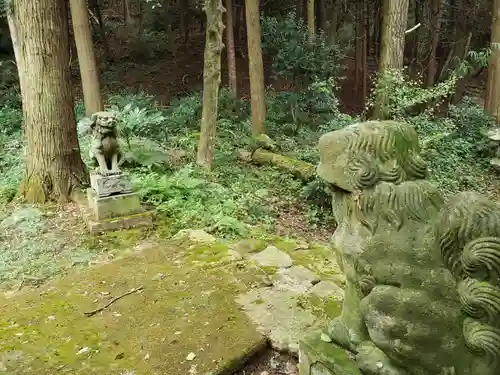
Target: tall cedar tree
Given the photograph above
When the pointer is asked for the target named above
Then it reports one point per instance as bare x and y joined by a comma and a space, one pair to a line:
214, 10
256, 66
86, 57
395, 17
54, 166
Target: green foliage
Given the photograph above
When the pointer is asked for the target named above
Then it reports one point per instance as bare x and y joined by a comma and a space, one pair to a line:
456, 147
295, 55
289, 111
403, 96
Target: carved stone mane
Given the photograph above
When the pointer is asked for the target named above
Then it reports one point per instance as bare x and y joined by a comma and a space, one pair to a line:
468, 237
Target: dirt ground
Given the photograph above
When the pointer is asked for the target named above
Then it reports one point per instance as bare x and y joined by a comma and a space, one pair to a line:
270, 363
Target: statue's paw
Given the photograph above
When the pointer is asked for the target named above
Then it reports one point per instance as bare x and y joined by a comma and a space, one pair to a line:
373, 361
339, 334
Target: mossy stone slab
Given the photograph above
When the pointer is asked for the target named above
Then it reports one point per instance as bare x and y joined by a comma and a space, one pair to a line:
180, 311
318, 357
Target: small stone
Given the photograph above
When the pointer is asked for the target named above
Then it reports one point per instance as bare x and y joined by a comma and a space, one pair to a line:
190, 356
248, 246
83, 350
195, 235
325, 337
328, 289
264, 373
300, 275
145, 245
52, 317
159, 276
146, 357
273, 257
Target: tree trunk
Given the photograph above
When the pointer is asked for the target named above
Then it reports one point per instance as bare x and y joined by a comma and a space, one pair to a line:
395, 16
86, 57
256, 67
231, 56
300, 169
211, 80
321, 16
54, 166
432, 66
360, 49
96, 8
184, 19
311, 18
333, 18
299, 7
492, 99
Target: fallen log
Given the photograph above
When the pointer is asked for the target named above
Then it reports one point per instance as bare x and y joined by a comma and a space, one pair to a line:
300, 169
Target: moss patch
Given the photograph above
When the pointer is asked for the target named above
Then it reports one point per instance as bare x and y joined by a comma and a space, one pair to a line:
181, 310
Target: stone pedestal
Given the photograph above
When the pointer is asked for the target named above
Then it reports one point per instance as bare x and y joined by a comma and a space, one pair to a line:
110, 204
114, 205
105, 186
115, 212
317, 357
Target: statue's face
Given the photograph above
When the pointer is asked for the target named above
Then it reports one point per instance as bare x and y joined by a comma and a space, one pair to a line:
106, 121
335, 166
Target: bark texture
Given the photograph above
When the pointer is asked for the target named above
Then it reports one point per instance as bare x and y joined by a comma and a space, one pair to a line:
256, 67
86, 57
311, 18
231, 55
54, 166
435, 26
211, 80
395, 16
492, 100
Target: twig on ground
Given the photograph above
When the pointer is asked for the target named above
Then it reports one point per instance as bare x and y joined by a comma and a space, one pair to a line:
132, 291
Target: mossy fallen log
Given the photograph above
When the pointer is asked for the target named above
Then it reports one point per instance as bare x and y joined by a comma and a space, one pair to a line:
300, 169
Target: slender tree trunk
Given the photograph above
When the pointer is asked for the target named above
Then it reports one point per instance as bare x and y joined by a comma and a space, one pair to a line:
492, 99
211, 80
321, 16
333, 18
231, 56
358, 63
256, 67
96, 8
311, 17
299, 7
54, 166
86, 57
395, 16
432, 66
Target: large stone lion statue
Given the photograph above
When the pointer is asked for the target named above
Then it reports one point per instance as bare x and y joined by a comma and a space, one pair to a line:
422, 294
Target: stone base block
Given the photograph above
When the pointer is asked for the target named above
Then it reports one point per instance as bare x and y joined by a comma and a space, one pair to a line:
317, 357
140, 220
113, 206
105, 186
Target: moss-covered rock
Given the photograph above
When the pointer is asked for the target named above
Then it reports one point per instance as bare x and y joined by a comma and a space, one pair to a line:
180, 310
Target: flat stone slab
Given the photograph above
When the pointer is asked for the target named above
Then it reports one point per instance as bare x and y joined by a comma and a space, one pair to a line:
317, 357
328, 289
185, 322
104, 186
296, 278
272, 257
278, 316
